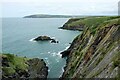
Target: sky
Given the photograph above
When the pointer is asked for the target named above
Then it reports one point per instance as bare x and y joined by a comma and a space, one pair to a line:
20, 8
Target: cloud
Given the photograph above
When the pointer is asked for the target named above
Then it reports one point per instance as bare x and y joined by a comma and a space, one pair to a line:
75, 7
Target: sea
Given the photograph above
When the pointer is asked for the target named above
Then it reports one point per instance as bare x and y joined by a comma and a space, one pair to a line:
18, 35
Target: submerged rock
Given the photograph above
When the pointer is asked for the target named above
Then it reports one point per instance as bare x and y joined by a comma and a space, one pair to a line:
14, 67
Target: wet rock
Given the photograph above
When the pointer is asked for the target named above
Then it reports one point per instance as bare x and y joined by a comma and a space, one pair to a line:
42, 38
65, 53
54, 41
46, 38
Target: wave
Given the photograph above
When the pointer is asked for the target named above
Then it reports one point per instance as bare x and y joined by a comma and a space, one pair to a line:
48, 52
67, 47
32, 40
62, 51
62, 71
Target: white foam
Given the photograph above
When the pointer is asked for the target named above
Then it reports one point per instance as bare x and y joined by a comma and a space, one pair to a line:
32, 40
67, 47
62, 51
46, 58
48, 70
48, 52
62, 71
59, 53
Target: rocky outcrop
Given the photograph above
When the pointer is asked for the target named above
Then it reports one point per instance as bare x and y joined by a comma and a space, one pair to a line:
14, 67
42, 38
54, 41
96, 52
46, 38
73, 24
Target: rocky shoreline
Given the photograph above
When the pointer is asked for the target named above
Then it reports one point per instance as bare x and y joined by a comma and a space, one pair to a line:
93, 54
14, 67
96, 52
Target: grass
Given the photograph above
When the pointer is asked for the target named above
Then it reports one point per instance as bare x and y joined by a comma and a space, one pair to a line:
93, 25
8, 70
93, 22
15, 63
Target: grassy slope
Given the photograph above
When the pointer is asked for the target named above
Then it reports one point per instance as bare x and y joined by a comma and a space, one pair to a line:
88, 21
15, 63
22, 67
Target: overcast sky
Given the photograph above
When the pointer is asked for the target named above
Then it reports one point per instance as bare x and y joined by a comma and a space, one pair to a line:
20, 8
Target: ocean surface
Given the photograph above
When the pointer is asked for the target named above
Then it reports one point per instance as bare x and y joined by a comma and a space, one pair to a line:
17, 35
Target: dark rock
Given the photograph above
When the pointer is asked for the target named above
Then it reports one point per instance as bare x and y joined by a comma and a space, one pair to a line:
42, 38
46, 38
65, 53
36, 69
54, 41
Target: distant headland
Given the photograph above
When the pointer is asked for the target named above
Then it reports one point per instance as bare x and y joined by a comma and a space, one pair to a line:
52, 16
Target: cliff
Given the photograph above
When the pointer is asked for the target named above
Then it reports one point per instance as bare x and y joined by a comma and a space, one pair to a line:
73, 24
14, 67
96, 52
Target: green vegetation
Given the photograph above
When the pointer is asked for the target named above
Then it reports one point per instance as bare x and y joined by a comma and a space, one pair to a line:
91, 49
12, 63
91, 22
116, 60
8, 71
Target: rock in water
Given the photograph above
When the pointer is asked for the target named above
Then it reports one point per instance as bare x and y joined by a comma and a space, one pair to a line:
42, 38
54, 41
46, 38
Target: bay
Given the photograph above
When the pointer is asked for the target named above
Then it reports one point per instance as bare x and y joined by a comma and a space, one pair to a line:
17, 35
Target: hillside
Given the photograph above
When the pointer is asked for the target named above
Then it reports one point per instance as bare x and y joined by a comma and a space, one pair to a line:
96, 52
49, 16
14, 67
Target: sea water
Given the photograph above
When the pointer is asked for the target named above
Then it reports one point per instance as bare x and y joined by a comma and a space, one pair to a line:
18, 35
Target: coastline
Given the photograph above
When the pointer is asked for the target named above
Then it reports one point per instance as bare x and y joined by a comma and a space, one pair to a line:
82, 52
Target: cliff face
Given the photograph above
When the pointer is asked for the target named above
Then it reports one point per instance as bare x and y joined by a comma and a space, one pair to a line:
72, 24
96, 52
14, 67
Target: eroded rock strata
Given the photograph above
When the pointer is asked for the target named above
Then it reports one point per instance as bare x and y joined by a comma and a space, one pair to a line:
96, 52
